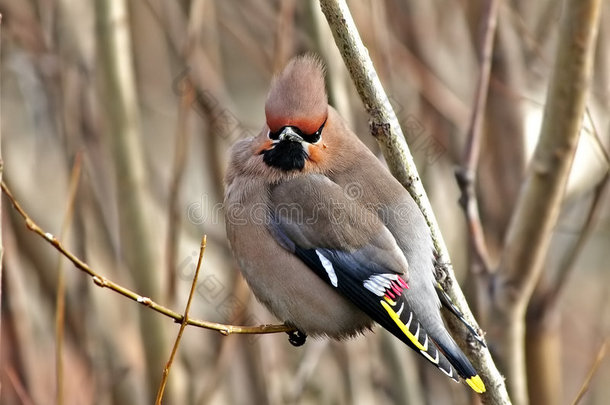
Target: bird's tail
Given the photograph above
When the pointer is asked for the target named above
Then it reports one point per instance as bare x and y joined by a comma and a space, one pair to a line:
445, 355
461, 364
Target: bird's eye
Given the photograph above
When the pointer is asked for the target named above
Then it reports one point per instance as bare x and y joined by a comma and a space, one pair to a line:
309, 138
274, 136
315, 137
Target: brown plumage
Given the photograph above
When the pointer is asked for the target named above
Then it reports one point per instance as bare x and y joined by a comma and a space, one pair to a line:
325, 236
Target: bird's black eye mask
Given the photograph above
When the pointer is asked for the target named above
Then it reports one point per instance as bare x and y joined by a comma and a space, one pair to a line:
288, 154
309, 138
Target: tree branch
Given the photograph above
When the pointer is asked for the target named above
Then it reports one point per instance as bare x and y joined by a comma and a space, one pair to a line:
183, 324
601, 354
466, 174
178, 167
103, 282
386, 129
569, 264
60, 298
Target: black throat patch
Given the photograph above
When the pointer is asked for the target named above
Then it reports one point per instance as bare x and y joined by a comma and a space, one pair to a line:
286, 155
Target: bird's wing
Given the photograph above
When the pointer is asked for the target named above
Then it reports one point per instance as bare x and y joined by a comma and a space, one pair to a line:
350, 248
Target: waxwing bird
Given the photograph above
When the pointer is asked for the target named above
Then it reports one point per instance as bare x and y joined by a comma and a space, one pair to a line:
325, 236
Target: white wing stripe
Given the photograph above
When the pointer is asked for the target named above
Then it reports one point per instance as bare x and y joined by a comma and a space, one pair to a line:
378, 283
330, 270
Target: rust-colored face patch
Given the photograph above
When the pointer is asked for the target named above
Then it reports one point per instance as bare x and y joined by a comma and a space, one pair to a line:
267, 145
314, 153
317, 157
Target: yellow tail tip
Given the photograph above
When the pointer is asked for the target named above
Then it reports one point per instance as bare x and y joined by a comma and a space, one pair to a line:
476, 384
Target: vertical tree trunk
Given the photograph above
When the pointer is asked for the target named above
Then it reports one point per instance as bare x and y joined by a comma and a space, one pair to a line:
116, 67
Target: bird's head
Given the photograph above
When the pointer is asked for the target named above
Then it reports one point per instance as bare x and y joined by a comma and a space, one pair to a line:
296, 112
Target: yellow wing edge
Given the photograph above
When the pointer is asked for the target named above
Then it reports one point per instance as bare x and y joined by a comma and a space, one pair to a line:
476, 383
402, 326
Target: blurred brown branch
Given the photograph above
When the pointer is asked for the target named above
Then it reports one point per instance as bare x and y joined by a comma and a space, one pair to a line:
17, 385
61, 284
555, 291
540, 199
103, 282
466, 174
179, 164
601, 354
183, 324
543, 343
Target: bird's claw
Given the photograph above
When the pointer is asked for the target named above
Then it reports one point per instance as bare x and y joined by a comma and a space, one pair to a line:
297, 338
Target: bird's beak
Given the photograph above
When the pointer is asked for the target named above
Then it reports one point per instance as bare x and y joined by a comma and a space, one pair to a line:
288, 134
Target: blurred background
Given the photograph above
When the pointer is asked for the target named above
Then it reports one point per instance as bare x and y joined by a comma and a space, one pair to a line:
147, 97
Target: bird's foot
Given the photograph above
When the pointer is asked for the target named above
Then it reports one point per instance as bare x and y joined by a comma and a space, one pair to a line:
297, 338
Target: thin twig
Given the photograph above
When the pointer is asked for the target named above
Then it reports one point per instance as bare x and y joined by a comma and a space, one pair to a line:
60, 301
182, 325
103, 282
542, 326
180, 152
466, 174
20, 391
226, 351
597, 139
572, 255
601, 353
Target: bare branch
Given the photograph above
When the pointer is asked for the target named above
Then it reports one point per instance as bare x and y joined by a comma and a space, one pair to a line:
601, 354
179, 164
386, 129
60, 300
466, 174
554, 293
21, 392
103, 282
182, 325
